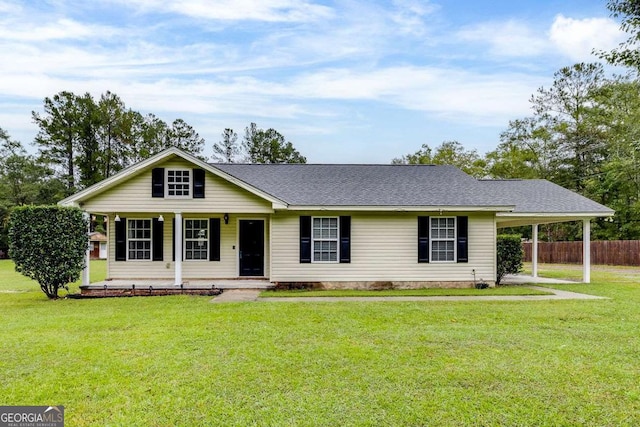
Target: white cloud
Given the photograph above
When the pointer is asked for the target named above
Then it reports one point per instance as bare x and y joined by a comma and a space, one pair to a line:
58, 30
456, 94
9, 7
239, 10
576, 38
409, 16
285, 62
509, 39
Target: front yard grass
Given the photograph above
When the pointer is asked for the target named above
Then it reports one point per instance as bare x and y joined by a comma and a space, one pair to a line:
499, 290
179, 360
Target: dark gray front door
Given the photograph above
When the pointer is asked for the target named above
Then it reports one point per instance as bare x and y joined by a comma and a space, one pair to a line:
251, 247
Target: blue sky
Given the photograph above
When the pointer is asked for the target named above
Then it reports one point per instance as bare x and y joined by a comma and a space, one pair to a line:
345, 81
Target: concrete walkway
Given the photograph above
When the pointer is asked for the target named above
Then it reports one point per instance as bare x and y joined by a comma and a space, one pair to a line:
242, 295
237, 295
521, 279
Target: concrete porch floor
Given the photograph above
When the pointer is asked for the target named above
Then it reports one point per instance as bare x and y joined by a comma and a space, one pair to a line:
168, 284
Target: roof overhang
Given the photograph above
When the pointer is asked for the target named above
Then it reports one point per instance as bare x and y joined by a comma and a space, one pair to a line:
516, 219
400, 208
104, 185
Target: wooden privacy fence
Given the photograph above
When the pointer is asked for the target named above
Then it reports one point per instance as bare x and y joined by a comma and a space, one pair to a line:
611, 252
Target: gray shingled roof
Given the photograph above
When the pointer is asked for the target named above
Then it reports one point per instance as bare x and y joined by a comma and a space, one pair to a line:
542, 196
404, 185
363, 185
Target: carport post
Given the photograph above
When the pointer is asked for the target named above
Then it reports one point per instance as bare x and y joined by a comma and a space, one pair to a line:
534, 251
586, 251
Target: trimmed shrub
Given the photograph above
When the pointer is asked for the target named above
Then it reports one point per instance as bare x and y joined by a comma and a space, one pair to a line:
48, 244
509, 254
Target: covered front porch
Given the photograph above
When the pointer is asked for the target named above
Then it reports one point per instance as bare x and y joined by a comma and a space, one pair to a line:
173, 252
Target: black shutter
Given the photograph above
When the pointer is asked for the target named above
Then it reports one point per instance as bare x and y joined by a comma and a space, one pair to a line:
121, 239
157, 182
214, 239
345, 239
423, 239
305, 239
158, 240
462, 229
198, 183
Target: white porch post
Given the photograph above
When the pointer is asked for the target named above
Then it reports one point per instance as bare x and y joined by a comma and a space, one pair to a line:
86, 269
178, 242
586, 251
534, 251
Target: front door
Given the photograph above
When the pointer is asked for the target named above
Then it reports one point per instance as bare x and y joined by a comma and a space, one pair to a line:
251, 247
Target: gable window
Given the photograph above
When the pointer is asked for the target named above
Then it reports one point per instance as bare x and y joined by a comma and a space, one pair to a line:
325, 239
443, 239
178, 182
139, 239
196, 239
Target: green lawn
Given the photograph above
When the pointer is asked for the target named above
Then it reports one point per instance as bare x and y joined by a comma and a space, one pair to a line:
500, 290
160, 361
11, 282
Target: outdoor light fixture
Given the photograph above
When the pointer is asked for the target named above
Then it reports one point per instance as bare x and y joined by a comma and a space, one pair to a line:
117, 218
160, 218
226, 218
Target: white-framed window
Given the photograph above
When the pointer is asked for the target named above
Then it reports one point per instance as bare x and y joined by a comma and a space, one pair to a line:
139, 239
324, 238
196, 239
443, 239
178, 183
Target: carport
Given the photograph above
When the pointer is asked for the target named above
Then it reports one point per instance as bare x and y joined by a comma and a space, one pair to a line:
538, 202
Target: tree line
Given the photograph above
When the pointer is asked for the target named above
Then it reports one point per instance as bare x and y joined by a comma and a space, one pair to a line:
82, 140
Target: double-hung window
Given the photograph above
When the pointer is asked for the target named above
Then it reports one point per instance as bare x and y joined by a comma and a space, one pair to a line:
139, 239
443, 239
325, 239
196, 239
178, 183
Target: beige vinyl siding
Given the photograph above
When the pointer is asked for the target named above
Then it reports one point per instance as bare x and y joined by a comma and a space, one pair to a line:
134, 195
226, 268
383, 248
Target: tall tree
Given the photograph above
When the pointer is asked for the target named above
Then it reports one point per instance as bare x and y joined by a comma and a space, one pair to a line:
147, 136
85, 141
227, 149
183, 136
447, 153
58, 135
618, 186
526, 150
269, 146
90, 157
628, 52
565, 110
112, 132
